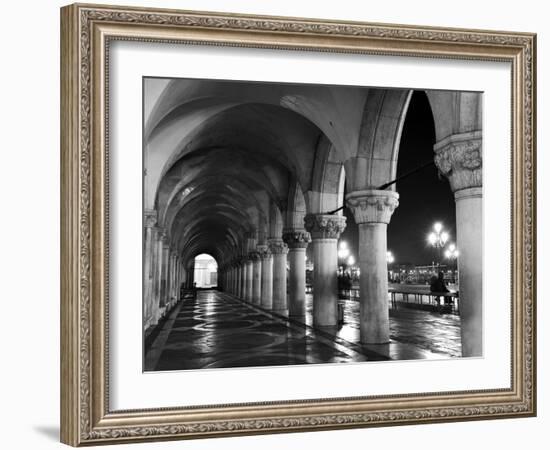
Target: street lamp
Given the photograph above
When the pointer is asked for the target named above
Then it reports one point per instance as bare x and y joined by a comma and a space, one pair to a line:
438, 238
390, 259
452, 253
343, 250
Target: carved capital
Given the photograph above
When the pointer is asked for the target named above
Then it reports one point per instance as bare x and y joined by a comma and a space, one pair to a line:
325, 226
459, 158
296, 238
278, 247
264, 251
254, 256
159, 234
150, 219
372, 206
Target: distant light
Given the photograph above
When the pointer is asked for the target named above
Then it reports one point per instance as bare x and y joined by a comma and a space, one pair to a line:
351, 261
451, 251
432, 238
343, 253
343, 245
444, 237
438, 227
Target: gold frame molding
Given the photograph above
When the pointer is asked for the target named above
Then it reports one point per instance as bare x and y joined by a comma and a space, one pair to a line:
86, 31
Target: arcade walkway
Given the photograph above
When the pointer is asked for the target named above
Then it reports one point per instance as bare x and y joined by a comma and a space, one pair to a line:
218, 330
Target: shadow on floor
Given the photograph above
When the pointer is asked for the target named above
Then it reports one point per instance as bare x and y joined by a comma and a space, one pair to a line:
49, 431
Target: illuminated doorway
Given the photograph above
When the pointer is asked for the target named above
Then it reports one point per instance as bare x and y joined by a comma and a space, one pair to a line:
206, 271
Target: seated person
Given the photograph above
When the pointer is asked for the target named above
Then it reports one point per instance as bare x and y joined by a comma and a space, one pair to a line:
437, 284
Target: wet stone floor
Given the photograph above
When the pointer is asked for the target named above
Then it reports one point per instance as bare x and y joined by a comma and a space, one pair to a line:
217, 330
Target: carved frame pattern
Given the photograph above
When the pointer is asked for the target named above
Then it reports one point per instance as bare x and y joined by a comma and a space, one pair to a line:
86, 32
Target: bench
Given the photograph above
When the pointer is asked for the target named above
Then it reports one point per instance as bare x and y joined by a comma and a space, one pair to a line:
450, 298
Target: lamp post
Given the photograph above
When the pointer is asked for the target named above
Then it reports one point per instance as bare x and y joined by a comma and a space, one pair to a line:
438, 238
452, 253
343, 253
390, 259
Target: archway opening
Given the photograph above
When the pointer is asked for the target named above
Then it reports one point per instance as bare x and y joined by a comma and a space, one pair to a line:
425, 199
206, 271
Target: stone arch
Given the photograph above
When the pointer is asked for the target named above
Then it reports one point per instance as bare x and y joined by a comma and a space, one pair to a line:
296, 207
327, 189
186, 107
375, 162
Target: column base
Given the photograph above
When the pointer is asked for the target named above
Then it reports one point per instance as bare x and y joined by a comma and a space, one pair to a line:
298, 317
373, 342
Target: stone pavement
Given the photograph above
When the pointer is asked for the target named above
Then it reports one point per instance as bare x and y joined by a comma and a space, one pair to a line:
414, 334
219, 330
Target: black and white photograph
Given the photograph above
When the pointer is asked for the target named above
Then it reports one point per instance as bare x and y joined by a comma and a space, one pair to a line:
289, 224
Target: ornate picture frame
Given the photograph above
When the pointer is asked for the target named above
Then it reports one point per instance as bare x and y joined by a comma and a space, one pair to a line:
86, 33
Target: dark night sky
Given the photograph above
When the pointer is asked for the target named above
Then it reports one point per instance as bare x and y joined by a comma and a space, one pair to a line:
424, 197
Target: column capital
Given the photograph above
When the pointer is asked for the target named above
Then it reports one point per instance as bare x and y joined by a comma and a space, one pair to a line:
296, 238
159, 233
254, 256
150, 218
459, 158
264, 251
278, 247
372, 206
325, 226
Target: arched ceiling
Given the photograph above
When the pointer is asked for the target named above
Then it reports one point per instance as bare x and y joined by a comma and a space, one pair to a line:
226, 159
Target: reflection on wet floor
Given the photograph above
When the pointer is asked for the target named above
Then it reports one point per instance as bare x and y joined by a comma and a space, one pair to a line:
414, 334
218, 330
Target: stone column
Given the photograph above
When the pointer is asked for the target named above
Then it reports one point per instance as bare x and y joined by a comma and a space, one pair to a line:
297, 242
220, 278
242, 291
227, 281
248, 279
170, 286
372, 210
157, 268
191, 275
459, 158
148, 266
235, 278
165, 252
178, 278
267, 278
325, 229
256, 278
279, 251
229, 278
